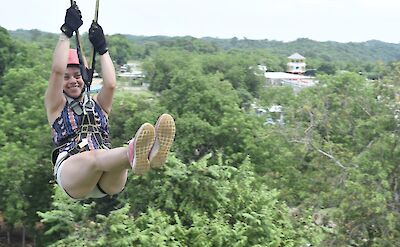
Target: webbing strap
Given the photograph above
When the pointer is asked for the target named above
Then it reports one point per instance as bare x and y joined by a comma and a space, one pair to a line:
90, 125
74, 105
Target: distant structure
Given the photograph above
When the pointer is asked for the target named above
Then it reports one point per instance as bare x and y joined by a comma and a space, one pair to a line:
293, 77
130, 70
296, 64
273, 114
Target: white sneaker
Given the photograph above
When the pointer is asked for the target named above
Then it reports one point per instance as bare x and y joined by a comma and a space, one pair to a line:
139, 148
165, 134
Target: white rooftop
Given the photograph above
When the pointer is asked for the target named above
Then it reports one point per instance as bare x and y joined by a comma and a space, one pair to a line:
296, 56
283, 75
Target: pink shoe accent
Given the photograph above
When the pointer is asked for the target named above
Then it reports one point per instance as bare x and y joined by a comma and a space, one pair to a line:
139, 148
165, 133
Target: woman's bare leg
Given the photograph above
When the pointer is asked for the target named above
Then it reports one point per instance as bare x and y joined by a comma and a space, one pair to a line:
81, 172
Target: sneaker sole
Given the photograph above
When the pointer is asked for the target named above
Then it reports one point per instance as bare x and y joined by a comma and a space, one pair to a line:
165, 134
144, 141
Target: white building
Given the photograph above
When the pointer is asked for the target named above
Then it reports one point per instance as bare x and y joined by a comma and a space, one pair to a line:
296, 81
296, 64
293, 77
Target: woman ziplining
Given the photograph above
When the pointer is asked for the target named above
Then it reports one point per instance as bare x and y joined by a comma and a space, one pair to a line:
85, 165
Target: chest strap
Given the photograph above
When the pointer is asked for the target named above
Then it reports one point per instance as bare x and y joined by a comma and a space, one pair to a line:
90, 126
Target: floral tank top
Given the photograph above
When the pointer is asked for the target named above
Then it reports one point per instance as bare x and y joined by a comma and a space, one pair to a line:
66, 126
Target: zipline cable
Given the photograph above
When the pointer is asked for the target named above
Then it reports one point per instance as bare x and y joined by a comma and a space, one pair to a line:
92, 60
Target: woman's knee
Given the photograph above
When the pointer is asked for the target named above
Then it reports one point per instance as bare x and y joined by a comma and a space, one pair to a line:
76, 179
91, 160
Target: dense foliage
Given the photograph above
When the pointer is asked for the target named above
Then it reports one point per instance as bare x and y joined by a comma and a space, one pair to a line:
328, 176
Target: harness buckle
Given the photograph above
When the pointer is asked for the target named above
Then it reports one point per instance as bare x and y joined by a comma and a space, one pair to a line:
88, 104
83, 143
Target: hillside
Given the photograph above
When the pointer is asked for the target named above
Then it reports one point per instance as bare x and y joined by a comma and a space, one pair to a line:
372, 50
369, 51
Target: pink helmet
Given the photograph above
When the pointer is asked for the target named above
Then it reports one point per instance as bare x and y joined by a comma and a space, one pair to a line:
73, 57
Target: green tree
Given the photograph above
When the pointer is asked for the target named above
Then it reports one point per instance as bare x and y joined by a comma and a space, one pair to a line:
161, 67
348, 138
196, 205
25, 165
121, 48
7, 50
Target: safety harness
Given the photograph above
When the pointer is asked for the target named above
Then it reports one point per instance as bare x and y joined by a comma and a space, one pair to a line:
90, 128
90, 125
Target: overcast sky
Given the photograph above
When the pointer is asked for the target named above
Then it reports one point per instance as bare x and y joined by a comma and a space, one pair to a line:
283, 20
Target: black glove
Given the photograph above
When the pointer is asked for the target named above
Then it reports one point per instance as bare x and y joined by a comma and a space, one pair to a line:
96, 36
73, 20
